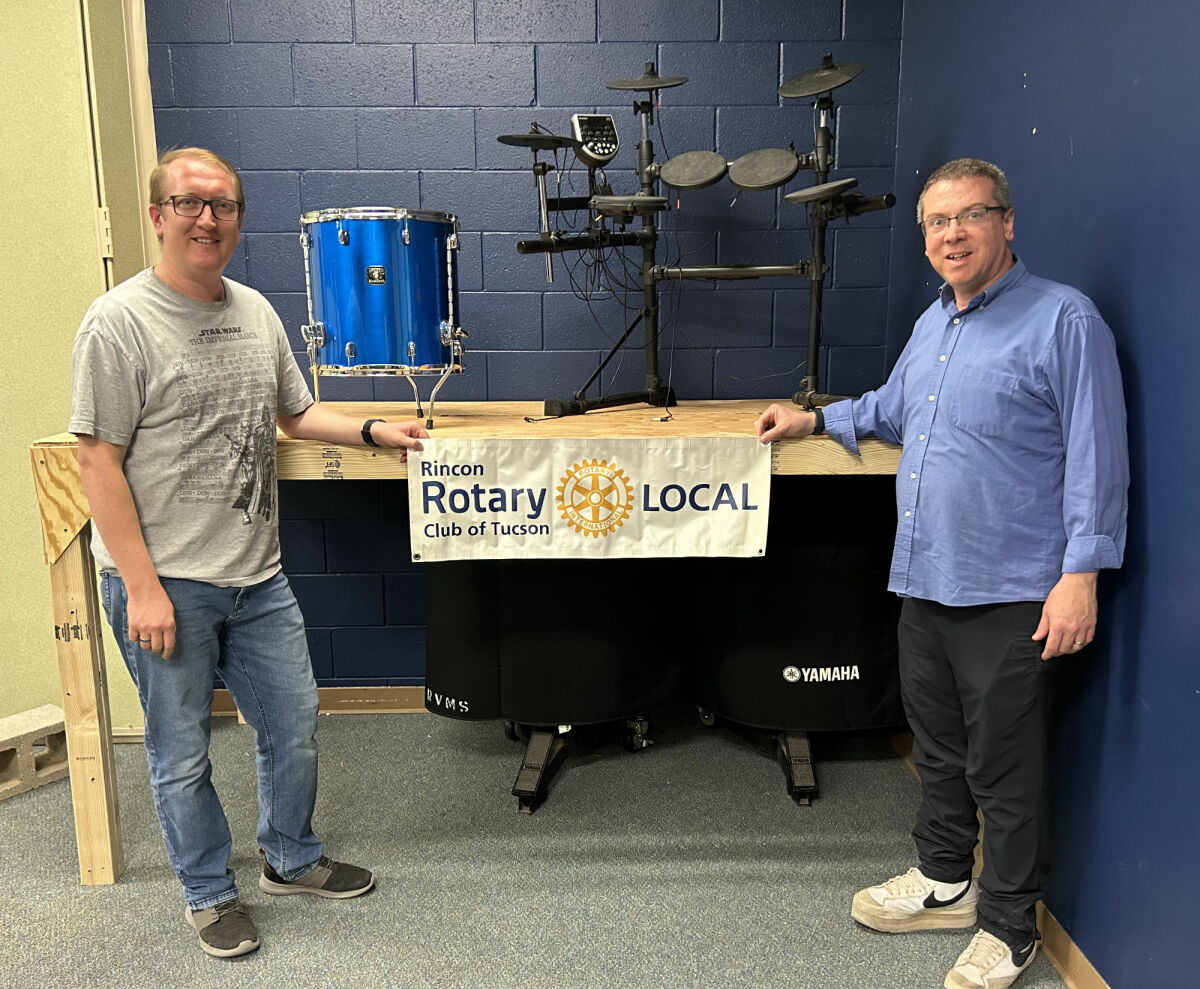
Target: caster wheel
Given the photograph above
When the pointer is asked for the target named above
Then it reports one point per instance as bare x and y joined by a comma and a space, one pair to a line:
707, 718
635, 735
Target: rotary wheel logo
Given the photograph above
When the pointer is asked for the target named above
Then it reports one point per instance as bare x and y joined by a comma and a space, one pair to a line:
791, 674
595, 497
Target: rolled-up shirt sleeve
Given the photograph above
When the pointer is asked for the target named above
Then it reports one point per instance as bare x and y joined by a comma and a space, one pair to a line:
1087, 388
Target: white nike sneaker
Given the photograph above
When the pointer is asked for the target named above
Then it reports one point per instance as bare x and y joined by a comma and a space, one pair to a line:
914, 902
989, 963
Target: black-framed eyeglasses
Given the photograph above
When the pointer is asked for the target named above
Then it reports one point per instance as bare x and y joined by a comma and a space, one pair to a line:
972, 216
222, 209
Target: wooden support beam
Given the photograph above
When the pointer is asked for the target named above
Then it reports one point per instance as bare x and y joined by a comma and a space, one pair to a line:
84, 681
61, 503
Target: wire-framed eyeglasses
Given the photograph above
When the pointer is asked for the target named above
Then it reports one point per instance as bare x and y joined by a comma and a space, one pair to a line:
972, 216
222, 209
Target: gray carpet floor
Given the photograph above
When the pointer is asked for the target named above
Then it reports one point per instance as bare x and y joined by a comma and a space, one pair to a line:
682, 865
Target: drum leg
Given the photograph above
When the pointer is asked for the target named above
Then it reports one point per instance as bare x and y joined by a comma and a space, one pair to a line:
796, 756
433, 395
545, 745
416, 395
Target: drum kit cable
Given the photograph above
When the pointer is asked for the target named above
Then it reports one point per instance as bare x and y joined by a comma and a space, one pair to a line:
762, 170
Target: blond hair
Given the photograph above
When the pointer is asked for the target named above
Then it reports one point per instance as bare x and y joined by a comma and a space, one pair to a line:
158, 178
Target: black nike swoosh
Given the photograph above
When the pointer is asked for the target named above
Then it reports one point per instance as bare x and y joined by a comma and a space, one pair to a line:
932, 902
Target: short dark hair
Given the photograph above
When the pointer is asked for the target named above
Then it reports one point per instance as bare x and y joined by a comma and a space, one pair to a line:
968, 168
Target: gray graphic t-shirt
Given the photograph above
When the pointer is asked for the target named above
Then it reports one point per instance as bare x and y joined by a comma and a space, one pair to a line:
192, 389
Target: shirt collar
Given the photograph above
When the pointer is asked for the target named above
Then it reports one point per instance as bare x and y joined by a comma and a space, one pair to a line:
989, 294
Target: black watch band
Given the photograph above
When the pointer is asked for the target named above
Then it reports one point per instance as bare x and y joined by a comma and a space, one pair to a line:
366, 431
819, 425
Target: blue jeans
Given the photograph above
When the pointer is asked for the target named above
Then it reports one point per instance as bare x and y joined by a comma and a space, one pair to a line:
254, 637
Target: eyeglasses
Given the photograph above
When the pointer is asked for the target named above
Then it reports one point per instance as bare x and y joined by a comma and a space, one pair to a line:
972, 216
222, 209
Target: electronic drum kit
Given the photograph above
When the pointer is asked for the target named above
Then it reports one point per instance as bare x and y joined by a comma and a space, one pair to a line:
594, 142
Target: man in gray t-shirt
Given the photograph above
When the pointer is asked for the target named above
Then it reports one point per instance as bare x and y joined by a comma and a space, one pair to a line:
179, 379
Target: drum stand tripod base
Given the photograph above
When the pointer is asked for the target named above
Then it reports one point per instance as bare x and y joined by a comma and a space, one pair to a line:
655, 394
557, 408
543, 749
796, 756
541, 753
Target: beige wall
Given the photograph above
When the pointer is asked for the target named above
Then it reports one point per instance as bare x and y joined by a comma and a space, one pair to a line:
50, 270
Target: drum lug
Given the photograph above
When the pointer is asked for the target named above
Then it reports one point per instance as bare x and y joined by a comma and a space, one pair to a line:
305, 241
404, 234
313, 333
343, 236
452, 241
351, 352
412, 350
446, 332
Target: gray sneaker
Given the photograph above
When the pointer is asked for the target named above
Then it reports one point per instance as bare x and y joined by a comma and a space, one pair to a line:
225, 931
336, 880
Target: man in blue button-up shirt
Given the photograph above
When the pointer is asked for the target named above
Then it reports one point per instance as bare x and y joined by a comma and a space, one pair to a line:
1011, 495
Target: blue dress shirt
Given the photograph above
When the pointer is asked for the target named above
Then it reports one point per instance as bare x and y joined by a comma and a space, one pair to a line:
1015, 467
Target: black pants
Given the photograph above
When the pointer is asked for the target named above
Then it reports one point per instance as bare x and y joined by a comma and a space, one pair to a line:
974, 690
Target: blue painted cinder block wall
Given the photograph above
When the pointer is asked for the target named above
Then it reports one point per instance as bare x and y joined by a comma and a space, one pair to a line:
1087, 106
337, 103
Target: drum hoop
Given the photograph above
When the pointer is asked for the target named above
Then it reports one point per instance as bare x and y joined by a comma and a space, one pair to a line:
385, 370
377, 213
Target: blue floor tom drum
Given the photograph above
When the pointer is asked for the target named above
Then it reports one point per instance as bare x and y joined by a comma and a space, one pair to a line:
382, 287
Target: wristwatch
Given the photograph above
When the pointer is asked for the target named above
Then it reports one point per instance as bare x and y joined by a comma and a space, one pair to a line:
819, 425
366, 431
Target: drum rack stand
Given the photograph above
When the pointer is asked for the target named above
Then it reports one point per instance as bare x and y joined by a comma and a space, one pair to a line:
830, 200
624, 208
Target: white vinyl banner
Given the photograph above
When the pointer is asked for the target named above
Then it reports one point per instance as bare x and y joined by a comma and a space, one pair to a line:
474, 499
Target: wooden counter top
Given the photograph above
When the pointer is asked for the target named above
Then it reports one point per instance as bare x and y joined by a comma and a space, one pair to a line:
813, 455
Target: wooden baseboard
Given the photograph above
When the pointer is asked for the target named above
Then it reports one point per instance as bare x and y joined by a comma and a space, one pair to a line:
348, 700
332, 700
1070, 963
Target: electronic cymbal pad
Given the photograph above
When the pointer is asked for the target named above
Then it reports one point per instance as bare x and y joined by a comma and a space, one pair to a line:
827, 190
828, 76
539, 141
649, 80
